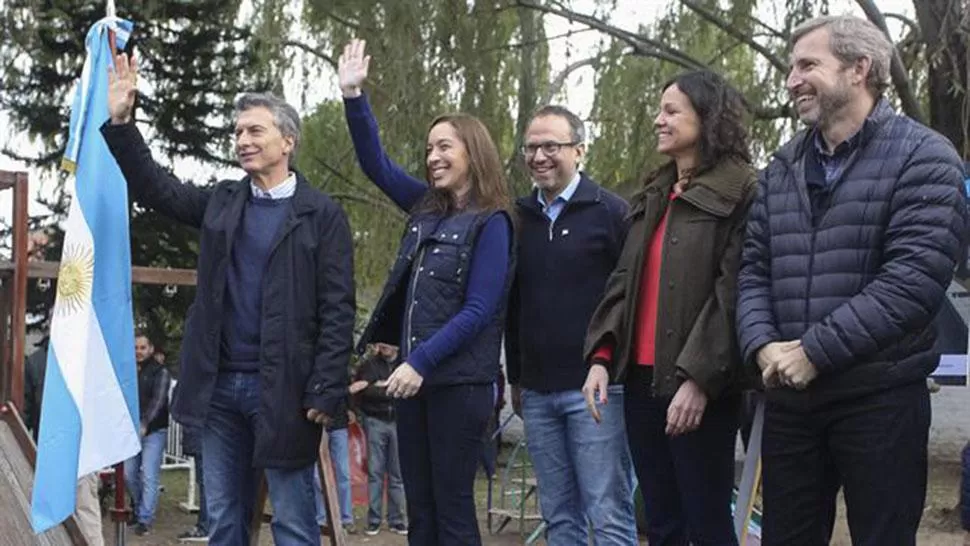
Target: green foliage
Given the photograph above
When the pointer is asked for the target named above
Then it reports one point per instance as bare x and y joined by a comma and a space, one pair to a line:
484, 57
195, 60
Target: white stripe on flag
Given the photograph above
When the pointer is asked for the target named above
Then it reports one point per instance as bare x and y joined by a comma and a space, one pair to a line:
78, 343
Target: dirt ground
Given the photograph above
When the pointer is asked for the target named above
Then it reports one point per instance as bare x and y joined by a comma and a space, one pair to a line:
940, 525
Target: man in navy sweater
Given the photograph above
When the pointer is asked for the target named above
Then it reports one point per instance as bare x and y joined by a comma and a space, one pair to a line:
570, 237
268, 338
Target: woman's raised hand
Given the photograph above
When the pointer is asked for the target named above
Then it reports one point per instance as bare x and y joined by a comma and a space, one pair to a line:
352, 68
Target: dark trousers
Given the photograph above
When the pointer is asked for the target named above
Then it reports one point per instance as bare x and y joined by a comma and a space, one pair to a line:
965, 489
440, 443
686, 481
872, 446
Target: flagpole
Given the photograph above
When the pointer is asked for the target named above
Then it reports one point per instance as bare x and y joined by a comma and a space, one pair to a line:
120, 512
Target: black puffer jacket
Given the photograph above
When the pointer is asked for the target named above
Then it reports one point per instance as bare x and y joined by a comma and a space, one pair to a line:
859, 286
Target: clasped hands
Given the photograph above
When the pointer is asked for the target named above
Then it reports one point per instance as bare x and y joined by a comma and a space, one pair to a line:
784, 363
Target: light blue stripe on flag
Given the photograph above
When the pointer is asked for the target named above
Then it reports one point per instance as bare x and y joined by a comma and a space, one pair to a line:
89, 415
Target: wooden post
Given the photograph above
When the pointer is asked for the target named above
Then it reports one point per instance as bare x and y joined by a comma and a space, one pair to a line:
328, 483
14, 305
334, 530
18, 311
6, 369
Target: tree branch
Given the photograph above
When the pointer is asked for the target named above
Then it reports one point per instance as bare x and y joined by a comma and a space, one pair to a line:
737, 34
383, 205
529, 43
364, 192
557, 83
316, 53
900, 79
642, 45
770, 113
913, 25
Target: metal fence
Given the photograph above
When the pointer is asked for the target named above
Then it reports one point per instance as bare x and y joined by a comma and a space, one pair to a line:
174, 457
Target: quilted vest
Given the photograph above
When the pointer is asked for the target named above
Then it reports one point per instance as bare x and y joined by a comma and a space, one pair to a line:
426, 288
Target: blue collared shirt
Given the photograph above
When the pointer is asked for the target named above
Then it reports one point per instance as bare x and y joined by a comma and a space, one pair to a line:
283, 191
833, 163
552, 210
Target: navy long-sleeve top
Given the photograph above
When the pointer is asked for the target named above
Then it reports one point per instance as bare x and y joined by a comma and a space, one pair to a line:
490, 259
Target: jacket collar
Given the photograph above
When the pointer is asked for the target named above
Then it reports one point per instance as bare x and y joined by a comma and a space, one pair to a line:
796, 148
303, 201
718, 190
586, 192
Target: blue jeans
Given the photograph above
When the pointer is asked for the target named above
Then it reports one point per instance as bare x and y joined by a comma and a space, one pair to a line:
583, 469
340, 455
142, 473
383, 460
230, 480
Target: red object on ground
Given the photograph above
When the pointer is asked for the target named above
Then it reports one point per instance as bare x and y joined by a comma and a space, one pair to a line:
357, 444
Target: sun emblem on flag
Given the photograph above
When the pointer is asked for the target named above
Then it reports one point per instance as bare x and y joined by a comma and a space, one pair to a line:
75, 279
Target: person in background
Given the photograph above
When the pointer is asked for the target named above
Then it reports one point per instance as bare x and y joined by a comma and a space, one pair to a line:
380, 426
143, 471
340, 457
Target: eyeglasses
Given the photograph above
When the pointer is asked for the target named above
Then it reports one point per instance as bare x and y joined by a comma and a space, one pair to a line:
548, 148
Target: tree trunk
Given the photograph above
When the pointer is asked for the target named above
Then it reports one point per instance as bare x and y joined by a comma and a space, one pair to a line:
946, 50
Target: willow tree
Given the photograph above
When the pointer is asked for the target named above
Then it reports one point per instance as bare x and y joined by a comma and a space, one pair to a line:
429, 57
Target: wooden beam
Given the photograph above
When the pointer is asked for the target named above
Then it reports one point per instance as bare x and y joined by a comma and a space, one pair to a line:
139, 274
10, 416
7, 179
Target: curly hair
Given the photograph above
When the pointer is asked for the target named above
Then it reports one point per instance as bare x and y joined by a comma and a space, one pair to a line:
722, 112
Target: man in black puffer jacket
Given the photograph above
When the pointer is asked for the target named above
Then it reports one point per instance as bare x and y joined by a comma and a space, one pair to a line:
850, 247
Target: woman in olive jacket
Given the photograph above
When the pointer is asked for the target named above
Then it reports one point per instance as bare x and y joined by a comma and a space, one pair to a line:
665, 327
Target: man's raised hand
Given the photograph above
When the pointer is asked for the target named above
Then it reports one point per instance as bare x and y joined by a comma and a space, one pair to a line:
122, 88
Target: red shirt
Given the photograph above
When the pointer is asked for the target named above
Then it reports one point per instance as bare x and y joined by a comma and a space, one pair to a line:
649, 296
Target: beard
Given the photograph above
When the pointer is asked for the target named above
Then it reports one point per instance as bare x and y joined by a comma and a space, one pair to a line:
831, 103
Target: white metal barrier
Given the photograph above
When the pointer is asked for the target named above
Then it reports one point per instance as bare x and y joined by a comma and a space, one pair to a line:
176, 459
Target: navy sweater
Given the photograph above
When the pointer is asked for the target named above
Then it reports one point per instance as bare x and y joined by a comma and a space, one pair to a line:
561, 275
490, 261
244, 283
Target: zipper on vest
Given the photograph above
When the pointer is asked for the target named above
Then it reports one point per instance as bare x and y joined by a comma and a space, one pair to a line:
416, 271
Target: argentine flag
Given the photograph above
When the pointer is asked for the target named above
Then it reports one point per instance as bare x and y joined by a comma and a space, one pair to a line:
89, 416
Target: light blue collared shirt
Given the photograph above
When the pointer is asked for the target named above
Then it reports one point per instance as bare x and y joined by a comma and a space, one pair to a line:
552, 210
283, 191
